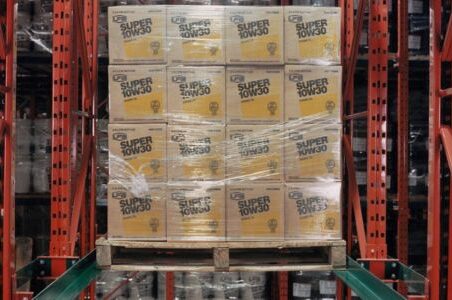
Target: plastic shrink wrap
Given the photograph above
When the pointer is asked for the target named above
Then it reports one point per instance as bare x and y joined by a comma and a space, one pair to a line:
243, 136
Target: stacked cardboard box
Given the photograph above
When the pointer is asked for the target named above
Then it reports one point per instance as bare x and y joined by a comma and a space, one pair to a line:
224, 126
137, 190
313, 114
254, 114
197, 98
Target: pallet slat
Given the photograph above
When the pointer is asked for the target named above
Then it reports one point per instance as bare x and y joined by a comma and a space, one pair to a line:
220, 256
204, 245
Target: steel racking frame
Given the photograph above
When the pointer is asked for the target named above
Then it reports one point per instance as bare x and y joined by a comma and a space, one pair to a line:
440, 146
371, 235
73, 161
7, 132
73, 181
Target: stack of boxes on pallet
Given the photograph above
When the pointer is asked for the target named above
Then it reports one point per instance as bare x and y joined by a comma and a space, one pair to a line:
137, 131
254, 113
312, 130
224, 123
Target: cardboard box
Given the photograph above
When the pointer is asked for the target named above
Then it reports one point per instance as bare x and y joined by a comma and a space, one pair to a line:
312, 34
137, 93
196, 152
254, 95
254, 152
136, 211
255, 211
254, 35
196, 95
312, 152
313, 210
137, 34
196, 211
137, 151
196, 35
313, 93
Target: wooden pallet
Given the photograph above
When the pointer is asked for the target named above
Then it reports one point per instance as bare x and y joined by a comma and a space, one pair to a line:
305, 255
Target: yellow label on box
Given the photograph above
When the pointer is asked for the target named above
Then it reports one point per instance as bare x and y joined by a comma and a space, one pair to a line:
196, 35
137, 93
254, 152
255, 211
137, 151
254, 35
196, 211
196, 152
312, 152
136, 211
313, 210
254, 95
137, 34
312, 34
313, 93
196, 95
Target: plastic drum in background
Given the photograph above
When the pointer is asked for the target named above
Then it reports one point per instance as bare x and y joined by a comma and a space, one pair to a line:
41, 174
23, 175
23, 137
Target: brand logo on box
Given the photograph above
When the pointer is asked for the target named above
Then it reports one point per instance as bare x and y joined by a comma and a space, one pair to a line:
119, 136
178, 196
330, 164
272, 165
295, 136
330, 105
119, 195
295, 195
296, 77
154, 223
178, 79
237, 19
213, 225
120, 19
178, 20
237, 78
178, 137
295, 19
330, 223
120, 77
272, 225
237, 196
237, 136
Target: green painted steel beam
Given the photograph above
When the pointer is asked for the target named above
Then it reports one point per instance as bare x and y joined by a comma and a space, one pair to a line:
364, 283
72, 282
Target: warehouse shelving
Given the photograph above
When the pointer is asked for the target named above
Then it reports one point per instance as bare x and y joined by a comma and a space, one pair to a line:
73, 197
